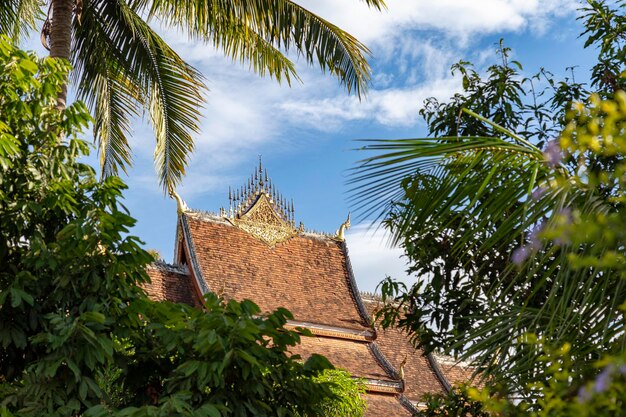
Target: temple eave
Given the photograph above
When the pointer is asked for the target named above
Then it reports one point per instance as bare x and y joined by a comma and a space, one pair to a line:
334, 332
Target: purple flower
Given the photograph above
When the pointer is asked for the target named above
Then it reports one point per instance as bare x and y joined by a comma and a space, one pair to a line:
533, 238
553, 153
601, 383
603, 380
538, 193
583, 395
520, 255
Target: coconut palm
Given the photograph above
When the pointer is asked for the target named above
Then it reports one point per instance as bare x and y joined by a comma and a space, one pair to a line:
122, 66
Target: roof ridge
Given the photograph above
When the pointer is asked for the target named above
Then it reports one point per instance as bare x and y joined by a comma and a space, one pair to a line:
432, 361
161, 265
195, 270
371, 296
383, 361
354, 290
407, 404
450, 360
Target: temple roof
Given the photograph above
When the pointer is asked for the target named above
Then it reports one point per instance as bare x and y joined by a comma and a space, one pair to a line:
379, 405
169, 282
308, 275
457, 372
354, 357
253, 250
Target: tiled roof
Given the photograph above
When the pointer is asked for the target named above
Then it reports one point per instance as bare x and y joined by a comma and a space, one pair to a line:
455, 372
353, 356
253, 250
420, 378
171, 283
381, 405
306, 274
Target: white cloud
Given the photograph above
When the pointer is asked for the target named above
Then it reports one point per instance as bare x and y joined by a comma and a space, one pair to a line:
390, 107
458, 18
244, 112
372, 259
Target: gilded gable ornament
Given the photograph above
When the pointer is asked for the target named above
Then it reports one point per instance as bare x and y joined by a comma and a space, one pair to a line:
259, 210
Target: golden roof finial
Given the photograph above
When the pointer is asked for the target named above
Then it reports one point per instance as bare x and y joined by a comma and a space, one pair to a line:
402, 368
341, 233
181, 207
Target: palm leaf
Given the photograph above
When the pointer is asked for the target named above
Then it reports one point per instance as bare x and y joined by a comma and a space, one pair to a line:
142, 71
17, 17
479, 191
280, 23
382, 175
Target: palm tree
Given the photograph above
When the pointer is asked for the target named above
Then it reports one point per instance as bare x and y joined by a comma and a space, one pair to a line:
122, 66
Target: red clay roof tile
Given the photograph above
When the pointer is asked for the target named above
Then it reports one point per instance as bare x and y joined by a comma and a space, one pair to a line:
170, 283
419, 376
353, 356
381, 405
307, 275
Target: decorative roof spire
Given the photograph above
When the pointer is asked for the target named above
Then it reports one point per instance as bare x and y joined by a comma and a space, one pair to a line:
260, 210
243, 199
340, 234
181, 207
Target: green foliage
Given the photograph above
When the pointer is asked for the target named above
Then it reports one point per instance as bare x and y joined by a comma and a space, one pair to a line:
77, 334
582, 376
68, 271
455, 403
349, 394
561, 394
595, 133
225, 360
557, 396
507, 232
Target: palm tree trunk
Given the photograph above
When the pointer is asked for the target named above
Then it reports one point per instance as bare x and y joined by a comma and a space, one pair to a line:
61, 38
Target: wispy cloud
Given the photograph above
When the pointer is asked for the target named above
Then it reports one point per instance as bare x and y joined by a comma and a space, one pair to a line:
413, 42
390, 107
372, 259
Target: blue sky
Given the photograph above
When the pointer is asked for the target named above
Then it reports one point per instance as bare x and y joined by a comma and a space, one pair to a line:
305, 132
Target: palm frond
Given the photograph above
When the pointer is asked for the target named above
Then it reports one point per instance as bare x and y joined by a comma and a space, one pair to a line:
17, 17
377, 4
242, 44
464, 164
280, 23
479, 193
141, 71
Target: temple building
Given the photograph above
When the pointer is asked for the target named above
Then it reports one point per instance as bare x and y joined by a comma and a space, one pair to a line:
253, 249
